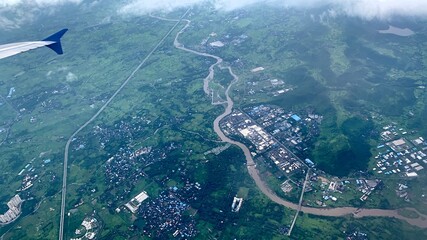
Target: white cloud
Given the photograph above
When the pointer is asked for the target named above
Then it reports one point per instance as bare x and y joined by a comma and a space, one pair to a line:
229, 5
6, 3
14, 13
71, 77
6, 23
386, 8
39, 3
367, 9
137, 7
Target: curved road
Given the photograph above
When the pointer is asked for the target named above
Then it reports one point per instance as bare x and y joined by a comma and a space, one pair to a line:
421, 221
67, 146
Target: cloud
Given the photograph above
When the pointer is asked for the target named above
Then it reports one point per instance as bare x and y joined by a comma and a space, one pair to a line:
6, 23
71, 77
385, 9
138, 7
15, 13
39, 3
366, 9
229, 5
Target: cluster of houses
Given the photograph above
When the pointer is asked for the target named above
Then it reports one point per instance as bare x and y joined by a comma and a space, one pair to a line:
284, 160
357, 235
27, 182
366, 187
212, 41
402, 191
330, 188
125, 167
88, 229
399, 154
165, 215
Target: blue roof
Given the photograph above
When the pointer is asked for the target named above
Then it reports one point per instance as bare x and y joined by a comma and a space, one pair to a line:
295, 117
308, 161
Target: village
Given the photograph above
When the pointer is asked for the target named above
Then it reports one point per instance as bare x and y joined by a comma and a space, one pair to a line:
167, 214
399, 153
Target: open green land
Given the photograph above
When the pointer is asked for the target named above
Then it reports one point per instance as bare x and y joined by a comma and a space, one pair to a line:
156, 135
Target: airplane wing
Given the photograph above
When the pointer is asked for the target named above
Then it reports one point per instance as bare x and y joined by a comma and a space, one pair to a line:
53, 42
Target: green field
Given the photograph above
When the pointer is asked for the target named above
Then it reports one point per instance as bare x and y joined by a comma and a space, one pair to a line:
356, 78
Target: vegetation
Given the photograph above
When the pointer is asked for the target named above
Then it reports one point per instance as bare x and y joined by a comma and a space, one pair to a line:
343, 69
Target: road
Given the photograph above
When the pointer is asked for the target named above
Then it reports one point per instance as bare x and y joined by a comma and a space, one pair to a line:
67, 146
300, 202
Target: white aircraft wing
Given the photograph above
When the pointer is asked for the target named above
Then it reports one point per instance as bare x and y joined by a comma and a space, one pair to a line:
53, 42
11, 49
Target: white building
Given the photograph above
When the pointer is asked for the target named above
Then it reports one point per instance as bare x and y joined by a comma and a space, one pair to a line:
135, 202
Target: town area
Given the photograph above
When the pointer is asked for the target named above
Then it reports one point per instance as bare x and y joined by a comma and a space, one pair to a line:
400, 153
271, 133
279, 139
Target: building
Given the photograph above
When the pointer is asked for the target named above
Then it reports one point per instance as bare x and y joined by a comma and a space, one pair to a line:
135, 202
237, 203
296, 117
309, 162
14, 211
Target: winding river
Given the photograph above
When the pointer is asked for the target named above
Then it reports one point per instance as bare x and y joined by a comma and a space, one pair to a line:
421, 221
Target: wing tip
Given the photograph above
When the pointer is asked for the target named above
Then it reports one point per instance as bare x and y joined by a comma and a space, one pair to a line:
56, 37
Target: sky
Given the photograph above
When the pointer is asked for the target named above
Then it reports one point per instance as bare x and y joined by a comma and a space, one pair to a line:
14, 13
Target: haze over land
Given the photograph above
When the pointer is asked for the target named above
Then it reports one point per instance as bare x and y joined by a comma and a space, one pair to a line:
367, 9
14, 13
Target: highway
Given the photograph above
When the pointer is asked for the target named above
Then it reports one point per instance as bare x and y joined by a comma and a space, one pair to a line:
300, 202
67, 146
